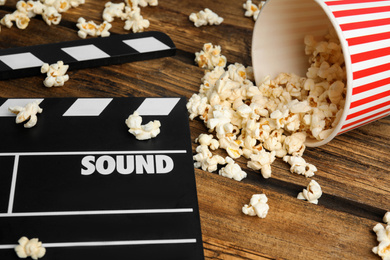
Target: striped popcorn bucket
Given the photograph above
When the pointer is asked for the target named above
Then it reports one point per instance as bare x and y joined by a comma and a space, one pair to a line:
363, 28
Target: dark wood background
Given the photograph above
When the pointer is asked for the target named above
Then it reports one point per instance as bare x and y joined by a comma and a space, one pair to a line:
353, 169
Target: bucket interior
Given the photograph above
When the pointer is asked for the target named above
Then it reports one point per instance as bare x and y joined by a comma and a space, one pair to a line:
278, 40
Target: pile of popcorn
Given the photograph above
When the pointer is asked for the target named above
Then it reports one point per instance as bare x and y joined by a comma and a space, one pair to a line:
129, 10
271, 120
50, 10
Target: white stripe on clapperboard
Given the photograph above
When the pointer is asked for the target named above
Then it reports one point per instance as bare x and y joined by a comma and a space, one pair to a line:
94, 107
113, 243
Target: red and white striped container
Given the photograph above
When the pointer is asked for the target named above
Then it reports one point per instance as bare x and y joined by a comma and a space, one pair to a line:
363, 27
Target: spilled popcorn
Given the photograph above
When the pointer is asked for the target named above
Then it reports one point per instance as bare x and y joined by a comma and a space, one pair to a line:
257, 206
252, 10
383, 237
300, 166
312, 193
32, 248
142, 132
386, 218
210, 57
29, 112
134, 20
232, 170
92, 29
274, 118
205, 17
56, 74
49, 10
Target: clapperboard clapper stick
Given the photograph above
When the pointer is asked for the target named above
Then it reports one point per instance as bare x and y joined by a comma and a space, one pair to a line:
85, 53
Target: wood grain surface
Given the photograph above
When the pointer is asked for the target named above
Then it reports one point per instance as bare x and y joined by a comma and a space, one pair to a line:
353, 169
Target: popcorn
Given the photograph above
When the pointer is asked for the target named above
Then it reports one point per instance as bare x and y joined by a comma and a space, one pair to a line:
295, 143
205, 17
274, 118
251, 10
232, 170
51, 16
262, 160
134, 20
142, 132
386, 218
299, 165
208, 140
50, 10
27, 8
197, 105
29, 112
20, 18
55, 74
92, 29
204, 159
383, 237
32, 248
112, 10
257, 206
312, 193
210, 57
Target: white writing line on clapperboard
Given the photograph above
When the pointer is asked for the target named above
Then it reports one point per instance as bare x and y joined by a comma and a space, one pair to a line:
113, 243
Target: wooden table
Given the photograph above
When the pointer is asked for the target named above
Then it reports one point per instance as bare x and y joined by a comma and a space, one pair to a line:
353, 169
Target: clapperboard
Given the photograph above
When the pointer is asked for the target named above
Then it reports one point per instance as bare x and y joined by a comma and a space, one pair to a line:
88, 189
85, 53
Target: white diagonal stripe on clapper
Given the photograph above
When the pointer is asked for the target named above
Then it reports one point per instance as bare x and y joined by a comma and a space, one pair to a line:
88, 107
157, 106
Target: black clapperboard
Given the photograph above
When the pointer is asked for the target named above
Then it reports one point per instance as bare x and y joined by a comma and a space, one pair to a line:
85, 53
88, 189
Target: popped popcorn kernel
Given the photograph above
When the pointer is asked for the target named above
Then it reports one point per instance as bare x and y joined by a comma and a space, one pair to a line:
28, 112
112, 10
92, 29
20, 18
257, 206
205, 17
210, 57
386, 218
232, 170
383, 237
312, 193
56, 74
142, 132
206, 160
262, 160
51, 15
252, 10
134, 20
300, 166
208, 140
30, 247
